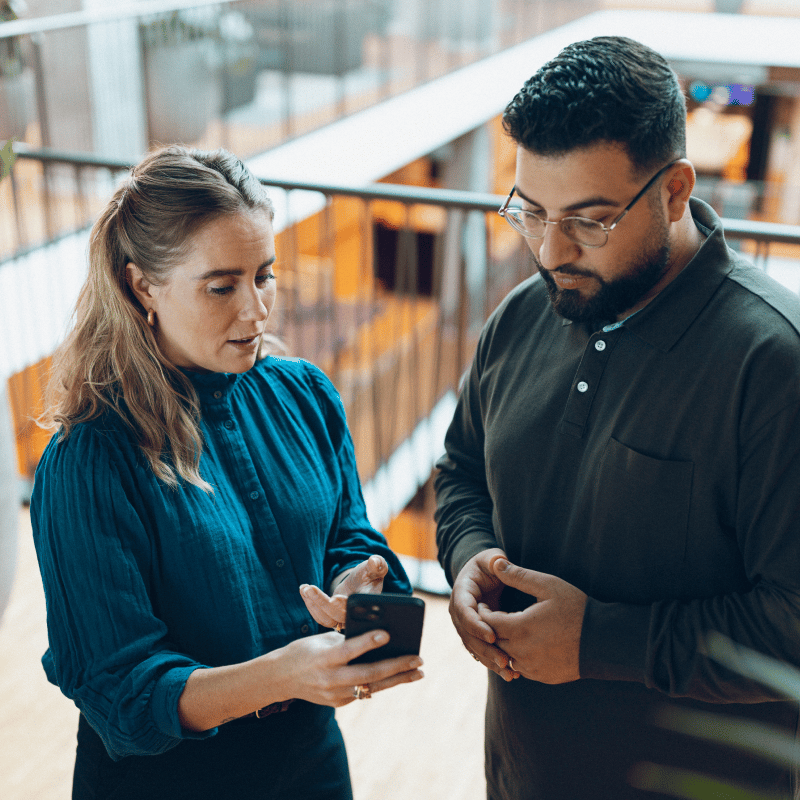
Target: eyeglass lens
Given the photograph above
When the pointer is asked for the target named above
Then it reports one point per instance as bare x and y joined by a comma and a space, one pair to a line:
579, 229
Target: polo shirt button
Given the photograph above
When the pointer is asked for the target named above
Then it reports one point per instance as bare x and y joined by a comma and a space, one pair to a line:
280, 562
583, 386
600, 345
217, 395
254, 495
305, 629
228, 423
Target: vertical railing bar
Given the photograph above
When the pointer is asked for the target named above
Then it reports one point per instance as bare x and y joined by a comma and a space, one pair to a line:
397, 338
414, 382
463, 308
436, 293
19, 222
296, 319
489, 270
332, 309
363, 318
80, 200
375, 376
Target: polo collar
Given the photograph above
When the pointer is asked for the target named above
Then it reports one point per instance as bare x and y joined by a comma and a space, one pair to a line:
663, 321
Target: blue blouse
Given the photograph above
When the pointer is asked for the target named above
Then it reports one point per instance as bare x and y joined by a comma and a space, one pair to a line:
145, 583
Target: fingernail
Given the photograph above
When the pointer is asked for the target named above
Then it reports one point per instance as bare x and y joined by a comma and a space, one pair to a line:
381, 637
417, 676
501, 565
416, 663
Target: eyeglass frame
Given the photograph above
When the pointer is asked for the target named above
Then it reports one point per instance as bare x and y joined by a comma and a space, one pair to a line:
606, 230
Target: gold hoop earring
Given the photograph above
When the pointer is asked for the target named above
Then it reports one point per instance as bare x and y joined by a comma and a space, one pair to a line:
151, 317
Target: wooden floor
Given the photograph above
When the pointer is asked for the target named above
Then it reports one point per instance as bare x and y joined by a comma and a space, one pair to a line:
421, 741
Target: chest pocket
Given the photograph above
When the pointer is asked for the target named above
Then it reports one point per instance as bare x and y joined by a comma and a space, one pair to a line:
638, 524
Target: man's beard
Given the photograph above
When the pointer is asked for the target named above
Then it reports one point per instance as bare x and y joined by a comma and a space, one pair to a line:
613, 297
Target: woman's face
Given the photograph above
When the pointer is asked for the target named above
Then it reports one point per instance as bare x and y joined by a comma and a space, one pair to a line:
212, 310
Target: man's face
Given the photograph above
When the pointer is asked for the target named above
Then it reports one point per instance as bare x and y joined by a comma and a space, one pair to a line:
597, 182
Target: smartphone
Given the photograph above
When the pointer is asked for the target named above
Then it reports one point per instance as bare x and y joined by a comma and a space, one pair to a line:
400, 615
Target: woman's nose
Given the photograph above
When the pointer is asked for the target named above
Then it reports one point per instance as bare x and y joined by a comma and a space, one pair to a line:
256, 306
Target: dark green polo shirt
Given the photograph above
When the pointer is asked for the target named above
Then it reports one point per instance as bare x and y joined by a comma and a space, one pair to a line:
657, 468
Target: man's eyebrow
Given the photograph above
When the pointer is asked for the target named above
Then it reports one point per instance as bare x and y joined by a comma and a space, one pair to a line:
589, 202
237, 271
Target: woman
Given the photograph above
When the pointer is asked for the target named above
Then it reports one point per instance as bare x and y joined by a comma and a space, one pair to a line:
194, 497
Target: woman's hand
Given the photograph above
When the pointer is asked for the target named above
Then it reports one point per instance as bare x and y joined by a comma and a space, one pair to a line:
314, 668
318, 669
366, 578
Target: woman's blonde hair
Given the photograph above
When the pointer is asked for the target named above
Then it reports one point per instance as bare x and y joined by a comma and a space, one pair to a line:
110, 359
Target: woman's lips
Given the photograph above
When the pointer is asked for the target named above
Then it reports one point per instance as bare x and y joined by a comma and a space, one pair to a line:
248, 343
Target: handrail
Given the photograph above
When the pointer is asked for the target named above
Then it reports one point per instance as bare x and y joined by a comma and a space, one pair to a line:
767, 232
76, 19
450, 197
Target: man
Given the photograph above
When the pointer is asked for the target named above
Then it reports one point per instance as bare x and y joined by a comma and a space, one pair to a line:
622, 476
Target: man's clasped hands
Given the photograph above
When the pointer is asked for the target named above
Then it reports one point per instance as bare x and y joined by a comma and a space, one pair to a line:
541, 643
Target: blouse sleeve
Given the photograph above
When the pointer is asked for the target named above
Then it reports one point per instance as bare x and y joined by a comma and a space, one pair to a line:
352, 538
109, 652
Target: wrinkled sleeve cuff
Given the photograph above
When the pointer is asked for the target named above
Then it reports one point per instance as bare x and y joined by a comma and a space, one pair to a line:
467, 548
614, 641
164, 701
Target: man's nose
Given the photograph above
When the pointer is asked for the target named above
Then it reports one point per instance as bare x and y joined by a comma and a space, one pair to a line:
555, 248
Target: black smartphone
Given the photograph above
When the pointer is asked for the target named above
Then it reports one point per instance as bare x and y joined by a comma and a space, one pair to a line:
400, 615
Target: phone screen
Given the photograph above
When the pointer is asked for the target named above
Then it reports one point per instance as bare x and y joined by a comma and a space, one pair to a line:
400, 615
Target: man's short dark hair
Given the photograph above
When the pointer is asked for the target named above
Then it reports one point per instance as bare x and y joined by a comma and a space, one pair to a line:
610, 89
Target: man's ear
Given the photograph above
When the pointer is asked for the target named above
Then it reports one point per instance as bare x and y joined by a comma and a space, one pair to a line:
680, 182
140, 286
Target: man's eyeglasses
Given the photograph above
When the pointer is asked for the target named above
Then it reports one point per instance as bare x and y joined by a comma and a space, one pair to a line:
581, 230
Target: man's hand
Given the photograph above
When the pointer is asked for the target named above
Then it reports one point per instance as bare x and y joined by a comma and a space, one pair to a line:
477, 584
366, 578
543, 641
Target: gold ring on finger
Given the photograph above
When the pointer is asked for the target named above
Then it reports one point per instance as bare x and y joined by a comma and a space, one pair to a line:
362, 692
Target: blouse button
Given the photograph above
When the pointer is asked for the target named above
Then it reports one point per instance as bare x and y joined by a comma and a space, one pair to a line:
254, 495
582, 386
228, 423
600, 345
305, 629
217, 395
280, 562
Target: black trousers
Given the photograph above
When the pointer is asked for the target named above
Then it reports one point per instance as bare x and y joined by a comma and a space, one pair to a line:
294, 755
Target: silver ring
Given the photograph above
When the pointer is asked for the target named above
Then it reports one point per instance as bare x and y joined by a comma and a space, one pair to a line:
511, 664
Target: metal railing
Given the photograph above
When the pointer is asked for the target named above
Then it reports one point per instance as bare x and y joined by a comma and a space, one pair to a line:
386, 288
241, 74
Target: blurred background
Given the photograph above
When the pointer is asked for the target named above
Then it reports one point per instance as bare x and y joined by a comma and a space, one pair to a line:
376, 126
